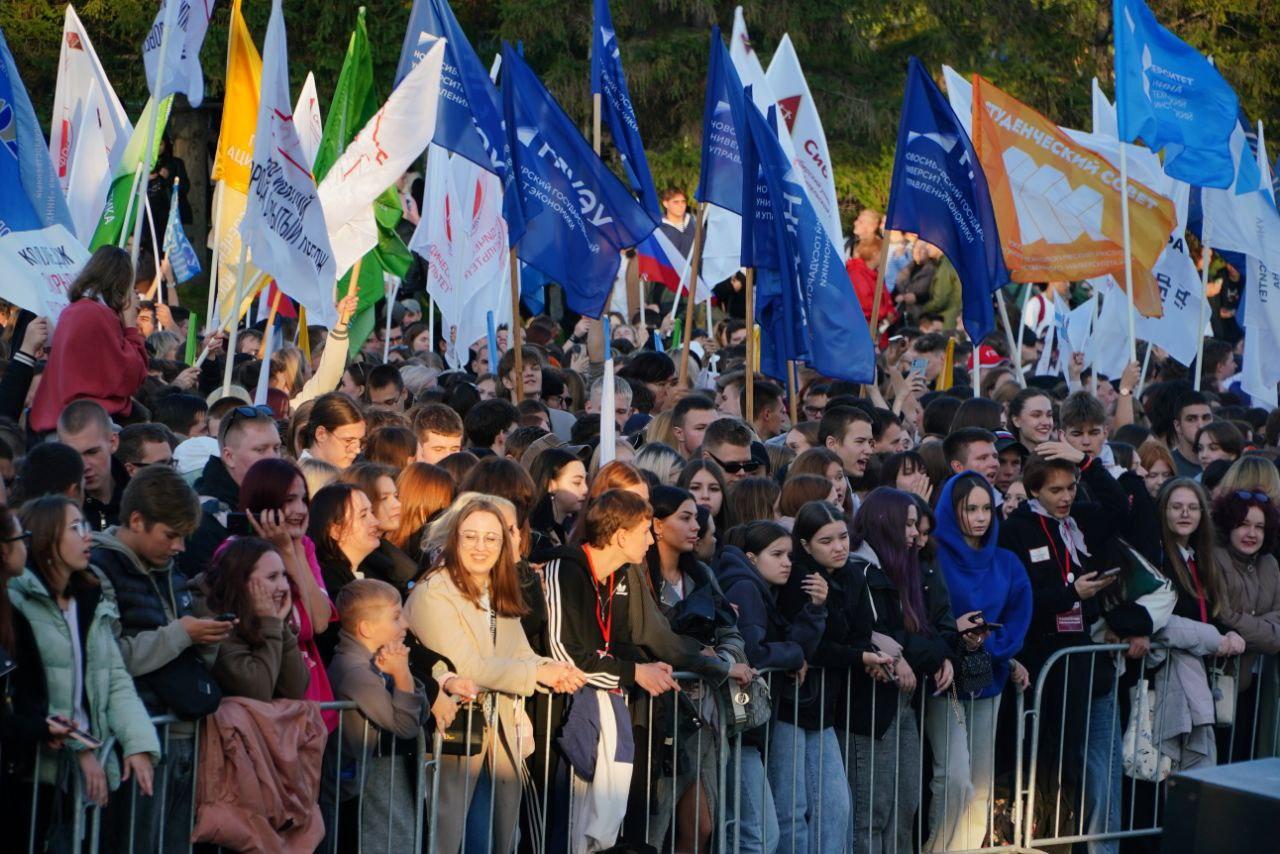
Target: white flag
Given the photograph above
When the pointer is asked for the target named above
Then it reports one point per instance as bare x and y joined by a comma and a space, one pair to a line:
284, 225
798, 115
306, 116
188, 21
387, 146
89, 179
78, 72
1260, 369
485, 258
439, 237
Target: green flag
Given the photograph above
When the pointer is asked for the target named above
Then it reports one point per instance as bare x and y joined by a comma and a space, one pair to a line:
355, 100
112, 227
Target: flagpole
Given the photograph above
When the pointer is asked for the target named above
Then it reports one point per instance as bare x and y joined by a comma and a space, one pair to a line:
235, 317
749, 381
695, 270
157, 284
271, 319
595, 123
1093, 324
391, 304
210, 323
265, 353
1128, 259
1205, 254
876, 298
1142, 377
155, 121
128, 208
792, 382
517, 340
431, 323
1015, 347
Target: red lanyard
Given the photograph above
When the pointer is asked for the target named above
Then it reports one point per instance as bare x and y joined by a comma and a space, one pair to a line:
603, 620
1063, 565
1195, 577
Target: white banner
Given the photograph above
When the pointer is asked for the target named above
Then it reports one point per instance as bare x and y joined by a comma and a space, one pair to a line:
38, 267
440, 235
387, 146
486, 265
284, 224
88, 180
188, 21
307, 118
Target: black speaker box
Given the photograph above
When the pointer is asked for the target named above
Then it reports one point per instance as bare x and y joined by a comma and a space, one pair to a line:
1227, 809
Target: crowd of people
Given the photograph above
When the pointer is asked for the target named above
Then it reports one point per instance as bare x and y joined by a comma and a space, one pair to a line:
832, 589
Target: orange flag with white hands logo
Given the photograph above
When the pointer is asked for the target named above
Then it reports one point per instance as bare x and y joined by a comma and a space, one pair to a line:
1057, 203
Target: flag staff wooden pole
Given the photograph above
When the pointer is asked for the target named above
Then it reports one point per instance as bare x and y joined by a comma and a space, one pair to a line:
517, 340
793, 383
1205, 255
749, 381
150, 148
1128, 258
695, 269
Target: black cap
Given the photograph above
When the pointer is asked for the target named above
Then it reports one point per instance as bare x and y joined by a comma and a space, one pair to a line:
1006, 440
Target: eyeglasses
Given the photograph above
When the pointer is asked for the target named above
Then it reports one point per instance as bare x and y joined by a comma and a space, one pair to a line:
81, 528
471, 539
1246, 495
25, 535
733, 467
354, 443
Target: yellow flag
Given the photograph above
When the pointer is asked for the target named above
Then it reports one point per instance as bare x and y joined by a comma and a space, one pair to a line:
1057, 203
240, 106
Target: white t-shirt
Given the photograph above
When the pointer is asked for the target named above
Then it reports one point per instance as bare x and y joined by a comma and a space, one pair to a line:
78, 714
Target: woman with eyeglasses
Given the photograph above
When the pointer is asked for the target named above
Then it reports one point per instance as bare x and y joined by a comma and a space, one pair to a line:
468, 610
1248, 527
387, 562
335, 430
85, 679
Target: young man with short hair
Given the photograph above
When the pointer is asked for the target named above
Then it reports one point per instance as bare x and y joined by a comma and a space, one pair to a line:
532, 376
86, 426
143, 445
847, 431
728, 443
689, 422
728, 385
770, 409
155, 629
50, 468
487, 425
972, 449
439, 430
1191, 414
386, 387
187, 415
623, 400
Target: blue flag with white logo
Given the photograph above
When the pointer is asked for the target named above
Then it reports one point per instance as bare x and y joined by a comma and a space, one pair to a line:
469, 115
1171, 97
939, 191
578, 216
720, 181
181, 254
609, 82
816, 296
30, 196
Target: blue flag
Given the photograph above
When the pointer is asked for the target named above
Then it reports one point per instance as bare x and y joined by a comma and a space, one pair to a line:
181, 254
468, 116
1171, 97
30, 196
608, 81
723, 122
578, 216
940, 192
813, 286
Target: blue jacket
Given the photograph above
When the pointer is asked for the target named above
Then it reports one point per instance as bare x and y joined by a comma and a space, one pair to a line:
990, 579
770, 639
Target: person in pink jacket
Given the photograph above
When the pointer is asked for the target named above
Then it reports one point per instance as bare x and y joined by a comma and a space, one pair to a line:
97, 352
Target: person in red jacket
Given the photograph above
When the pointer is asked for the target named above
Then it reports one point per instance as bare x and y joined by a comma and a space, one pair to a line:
861, 268
97, 351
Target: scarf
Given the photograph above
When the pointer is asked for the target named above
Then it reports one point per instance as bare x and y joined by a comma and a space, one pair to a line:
1068, 530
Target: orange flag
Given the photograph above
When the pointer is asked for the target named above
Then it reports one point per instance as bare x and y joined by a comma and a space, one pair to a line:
1057, 203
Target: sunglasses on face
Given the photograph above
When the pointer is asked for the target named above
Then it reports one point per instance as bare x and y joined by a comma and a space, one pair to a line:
750, 466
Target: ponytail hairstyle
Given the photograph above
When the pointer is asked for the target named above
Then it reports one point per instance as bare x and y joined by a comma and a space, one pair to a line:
755, 537
330, 411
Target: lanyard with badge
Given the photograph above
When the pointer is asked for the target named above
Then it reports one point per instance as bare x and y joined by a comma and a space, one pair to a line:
603, 612
1072, 620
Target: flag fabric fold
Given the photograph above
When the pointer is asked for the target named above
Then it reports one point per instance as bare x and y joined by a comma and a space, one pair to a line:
187, 22
308, 119
939, 190
112, 225
610, 83
181, 254
234, 157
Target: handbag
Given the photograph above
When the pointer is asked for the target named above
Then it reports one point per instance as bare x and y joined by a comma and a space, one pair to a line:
1223, 686
185, 686
1143, 759
750, 706
461, 738
975, 672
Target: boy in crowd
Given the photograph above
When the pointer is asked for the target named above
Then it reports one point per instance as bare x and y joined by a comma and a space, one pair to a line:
439, 430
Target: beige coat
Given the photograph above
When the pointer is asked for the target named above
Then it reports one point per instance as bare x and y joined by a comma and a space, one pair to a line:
450, 625
1253, 606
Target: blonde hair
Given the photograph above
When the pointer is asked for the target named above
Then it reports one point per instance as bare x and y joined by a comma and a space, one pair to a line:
318, 474
438, 531
361, 600
1251, 473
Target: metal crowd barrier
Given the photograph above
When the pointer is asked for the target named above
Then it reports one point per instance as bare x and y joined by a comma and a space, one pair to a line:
1010, 820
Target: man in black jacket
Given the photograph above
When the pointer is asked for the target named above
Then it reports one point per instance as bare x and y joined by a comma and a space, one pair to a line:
86, 426
134, 562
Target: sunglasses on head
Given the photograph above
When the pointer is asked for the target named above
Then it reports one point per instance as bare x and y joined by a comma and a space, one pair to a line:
750, 466
252, 412
1246, 495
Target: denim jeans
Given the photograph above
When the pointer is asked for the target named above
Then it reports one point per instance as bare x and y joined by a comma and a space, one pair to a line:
810, 789
479, 832
757, 816
1102, 765
886, 778
170, 805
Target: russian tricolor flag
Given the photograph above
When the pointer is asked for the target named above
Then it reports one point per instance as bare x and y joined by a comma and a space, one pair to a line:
660, 261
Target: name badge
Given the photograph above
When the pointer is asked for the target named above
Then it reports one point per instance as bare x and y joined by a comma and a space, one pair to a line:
1040, 555
1071, 621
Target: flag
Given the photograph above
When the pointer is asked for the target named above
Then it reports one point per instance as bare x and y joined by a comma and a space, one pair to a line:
939, 191
307, 118
1057, 204
746, 62
578, 216
723, 121
284, 225
83, 90
384, 149
838, 341
469, 119
181, 254
234, 157
112, 228
1172, 98
39, 257
610, 83
89, 179
187, 22
803, 126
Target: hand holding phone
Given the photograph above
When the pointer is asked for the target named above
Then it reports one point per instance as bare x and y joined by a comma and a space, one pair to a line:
90, 741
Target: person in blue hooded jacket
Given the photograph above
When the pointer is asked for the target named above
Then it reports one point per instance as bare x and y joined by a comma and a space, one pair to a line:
753, 567
991, 601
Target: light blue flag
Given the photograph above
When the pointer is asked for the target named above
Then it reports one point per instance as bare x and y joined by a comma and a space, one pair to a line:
181, 254
578, 216
1172, 98
610, 83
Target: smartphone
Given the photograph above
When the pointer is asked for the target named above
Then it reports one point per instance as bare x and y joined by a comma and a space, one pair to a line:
228, 617
238, 525
918, 365
1108, 573
981, 627
89, 741
886, 669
